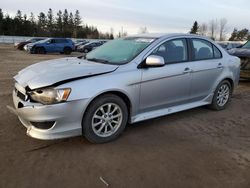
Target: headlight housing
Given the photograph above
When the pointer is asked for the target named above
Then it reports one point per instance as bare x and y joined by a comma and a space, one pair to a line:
50, 95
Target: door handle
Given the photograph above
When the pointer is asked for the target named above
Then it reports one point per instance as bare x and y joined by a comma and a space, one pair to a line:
220, 66
187, 70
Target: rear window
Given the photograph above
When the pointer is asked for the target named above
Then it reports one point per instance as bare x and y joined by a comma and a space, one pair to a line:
203, 50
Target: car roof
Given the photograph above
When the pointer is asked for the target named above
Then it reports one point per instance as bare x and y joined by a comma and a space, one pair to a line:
169, 35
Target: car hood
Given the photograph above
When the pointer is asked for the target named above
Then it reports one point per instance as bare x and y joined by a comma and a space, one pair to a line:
53, 72
240, 52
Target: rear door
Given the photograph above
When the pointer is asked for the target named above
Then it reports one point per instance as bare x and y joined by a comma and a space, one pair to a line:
207, 65
59, 45
169, 85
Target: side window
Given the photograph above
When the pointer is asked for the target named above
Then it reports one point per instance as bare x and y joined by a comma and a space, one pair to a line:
59, 40
173, 51
52, 41
65, 41
202, 49
217, 53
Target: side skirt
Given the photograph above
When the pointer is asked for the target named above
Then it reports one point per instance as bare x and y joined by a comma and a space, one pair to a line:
171, 110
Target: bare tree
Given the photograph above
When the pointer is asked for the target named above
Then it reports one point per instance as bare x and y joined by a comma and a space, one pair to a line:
143, 30
223, 28
213, 27
203, 29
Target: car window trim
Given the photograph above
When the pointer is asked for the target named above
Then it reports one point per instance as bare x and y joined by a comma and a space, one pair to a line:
221, 56
192, 59
142, 64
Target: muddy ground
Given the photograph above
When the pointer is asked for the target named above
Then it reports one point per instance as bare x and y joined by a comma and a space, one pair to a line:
195, 148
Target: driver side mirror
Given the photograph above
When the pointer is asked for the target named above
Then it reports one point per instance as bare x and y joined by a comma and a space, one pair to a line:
155, 61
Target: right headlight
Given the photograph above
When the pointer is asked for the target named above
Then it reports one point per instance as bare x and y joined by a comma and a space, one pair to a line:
50, 95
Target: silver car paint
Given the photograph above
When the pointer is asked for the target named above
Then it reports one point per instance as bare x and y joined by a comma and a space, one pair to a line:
50, 72
151, 92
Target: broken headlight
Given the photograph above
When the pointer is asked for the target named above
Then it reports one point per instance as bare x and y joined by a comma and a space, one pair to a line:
50, 95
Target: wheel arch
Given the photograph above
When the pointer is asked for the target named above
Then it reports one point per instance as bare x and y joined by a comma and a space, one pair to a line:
41, 47
230, 80
118, 93
65, 47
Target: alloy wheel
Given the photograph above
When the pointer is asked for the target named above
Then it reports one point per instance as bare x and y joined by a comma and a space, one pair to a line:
107, 119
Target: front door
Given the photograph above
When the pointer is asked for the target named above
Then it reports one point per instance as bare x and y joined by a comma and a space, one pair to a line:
169, 85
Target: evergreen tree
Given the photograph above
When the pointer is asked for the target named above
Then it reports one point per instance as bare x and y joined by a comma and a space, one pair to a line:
66, 31
233, 35
59, 23
19, 15
33, 26
71, 24
77, 22
42, 24
50, 22
71, 20
195, 28
77, 19
1, 21
63, 25
242, 34
17, 23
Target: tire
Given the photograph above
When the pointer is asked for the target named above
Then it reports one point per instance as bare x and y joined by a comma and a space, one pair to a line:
222, 96
67, 50
40, 50
86, 51
98, 130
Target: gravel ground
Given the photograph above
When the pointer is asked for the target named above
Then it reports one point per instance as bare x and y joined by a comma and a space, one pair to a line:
194, 148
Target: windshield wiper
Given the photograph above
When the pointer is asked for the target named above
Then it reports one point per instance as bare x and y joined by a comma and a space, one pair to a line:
98, 60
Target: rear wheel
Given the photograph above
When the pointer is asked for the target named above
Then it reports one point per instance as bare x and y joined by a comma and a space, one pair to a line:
105, 119
67, 51
222, 96
40, 50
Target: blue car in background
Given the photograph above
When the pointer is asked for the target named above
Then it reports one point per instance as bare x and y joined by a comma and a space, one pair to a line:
52, 45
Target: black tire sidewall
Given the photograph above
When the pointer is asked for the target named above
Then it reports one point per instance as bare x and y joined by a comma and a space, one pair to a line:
67, 50
214, 104
94, 105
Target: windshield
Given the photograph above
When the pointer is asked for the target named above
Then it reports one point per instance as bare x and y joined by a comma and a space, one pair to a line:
119, 51
247, 45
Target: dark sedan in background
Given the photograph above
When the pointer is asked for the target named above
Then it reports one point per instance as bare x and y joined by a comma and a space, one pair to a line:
20, 45
89, 46
244, 54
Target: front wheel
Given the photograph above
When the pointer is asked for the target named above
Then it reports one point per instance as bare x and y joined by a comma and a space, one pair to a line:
105, 119
40, 50
222, 96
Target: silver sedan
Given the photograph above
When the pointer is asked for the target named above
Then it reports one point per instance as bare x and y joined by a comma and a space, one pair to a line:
124, 81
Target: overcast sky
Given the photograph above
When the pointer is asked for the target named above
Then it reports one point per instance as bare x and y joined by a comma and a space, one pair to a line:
156, 15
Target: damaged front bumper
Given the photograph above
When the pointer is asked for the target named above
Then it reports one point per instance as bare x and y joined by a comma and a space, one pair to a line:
47, 122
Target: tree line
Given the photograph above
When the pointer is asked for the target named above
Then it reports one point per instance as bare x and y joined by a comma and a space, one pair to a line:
217, 30
61, 24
